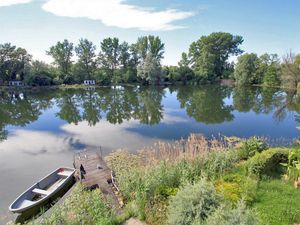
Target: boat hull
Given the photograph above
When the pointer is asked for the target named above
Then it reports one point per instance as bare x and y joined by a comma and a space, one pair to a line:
36, 197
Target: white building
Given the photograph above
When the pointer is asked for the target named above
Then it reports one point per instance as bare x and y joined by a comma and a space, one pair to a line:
89, 82
15, 83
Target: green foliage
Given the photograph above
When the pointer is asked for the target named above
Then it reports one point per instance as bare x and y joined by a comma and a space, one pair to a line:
270, 68
251, 146
251, 69
150, 70
236, 185
268, 162
150, 45
85, 52
181, 73
231, 191
218, 162
239, 215
210, 53
109, 55
40, 74
293, 165
14, 62
82, 207
193, 203
246, 70
62, 54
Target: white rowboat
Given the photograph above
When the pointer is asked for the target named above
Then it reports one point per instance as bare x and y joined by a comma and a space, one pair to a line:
43, 190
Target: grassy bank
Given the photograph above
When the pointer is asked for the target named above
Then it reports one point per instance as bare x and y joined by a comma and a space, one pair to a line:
199, 182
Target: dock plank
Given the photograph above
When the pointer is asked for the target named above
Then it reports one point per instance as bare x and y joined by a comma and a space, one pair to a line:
97, 175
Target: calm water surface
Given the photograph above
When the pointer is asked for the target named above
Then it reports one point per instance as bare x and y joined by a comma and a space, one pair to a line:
40, 130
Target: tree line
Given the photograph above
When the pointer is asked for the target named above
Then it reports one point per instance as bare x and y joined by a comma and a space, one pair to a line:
116, 62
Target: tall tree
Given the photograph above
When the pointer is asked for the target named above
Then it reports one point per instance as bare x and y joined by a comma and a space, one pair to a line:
185, 71
269, 67
14, 62
210, 53
150, 44
124, 57
109, 56
150, 70
86, 57
62, 54
246, 70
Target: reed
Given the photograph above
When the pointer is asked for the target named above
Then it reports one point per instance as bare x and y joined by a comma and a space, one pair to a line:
194, 147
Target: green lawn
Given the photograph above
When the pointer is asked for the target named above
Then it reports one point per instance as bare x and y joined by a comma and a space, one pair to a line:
277, 203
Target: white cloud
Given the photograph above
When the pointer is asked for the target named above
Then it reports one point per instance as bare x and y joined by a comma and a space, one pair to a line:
118, 14
13, 2
36, 143
109, 136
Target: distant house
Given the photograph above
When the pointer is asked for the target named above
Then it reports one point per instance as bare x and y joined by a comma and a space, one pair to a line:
15, 83
89, 82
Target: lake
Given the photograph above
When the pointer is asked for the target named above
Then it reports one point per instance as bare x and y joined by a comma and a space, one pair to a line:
41, 129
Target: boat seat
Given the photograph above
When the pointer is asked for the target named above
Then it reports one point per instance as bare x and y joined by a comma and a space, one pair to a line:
65, 173
40, 191
25, 203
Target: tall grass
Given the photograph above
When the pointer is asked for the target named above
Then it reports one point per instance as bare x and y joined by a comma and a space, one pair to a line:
148, 178
81, 207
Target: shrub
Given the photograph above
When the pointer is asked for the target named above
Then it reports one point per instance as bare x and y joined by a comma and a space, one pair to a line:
193, 202
268, 162
235, 187
226, 215
217, 162
292, 166
251, 146
156, 211
82, 207
230, 190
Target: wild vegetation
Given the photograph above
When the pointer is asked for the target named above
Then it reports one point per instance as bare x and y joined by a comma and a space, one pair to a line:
198, 182
116, 62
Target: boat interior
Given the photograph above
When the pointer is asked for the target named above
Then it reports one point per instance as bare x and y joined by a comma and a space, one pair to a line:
43, 188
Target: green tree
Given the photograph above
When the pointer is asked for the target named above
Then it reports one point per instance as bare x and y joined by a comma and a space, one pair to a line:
150, 44
128, 63
62, 54
186, 73
269, 67
109, 57
14, 62
86, 58
246, 70
209, 55
39, 74
150, 70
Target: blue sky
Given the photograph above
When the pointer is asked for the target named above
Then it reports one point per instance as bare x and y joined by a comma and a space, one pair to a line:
271, 26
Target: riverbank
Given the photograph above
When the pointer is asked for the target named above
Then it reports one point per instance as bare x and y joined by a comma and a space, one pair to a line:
227, 182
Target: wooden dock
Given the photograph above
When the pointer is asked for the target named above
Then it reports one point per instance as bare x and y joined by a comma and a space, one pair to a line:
97, 175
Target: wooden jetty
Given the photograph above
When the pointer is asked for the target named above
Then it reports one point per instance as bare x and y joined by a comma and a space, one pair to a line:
97, 175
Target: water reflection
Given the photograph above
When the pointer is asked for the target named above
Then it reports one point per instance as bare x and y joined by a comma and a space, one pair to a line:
207, 104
